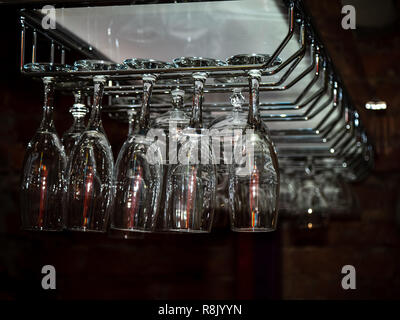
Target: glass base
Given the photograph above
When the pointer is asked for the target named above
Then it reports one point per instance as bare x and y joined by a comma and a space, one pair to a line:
125, 235
86, 230
130, 230
183, 231
41, 229
252, 230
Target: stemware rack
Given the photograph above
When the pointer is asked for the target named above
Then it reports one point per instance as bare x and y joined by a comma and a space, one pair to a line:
337, 137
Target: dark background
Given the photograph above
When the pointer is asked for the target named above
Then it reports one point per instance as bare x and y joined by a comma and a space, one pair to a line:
286, 264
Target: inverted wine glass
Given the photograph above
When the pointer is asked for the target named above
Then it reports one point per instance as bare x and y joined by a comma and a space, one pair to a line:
312, 210
43, 173
138, 172
191, 183
227, 128
46, 67
89, 198
254, 175
171, 123
287, 193
230, 127
237, 119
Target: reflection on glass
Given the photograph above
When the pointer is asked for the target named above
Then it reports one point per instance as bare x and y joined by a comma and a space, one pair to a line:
90, 185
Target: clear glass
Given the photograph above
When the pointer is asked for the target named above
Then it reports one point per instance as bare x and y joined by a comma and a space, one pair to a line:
72, 135
171, 123
187, 62
46, 67
97, 65
190, 191
336, 191
254, 175
227, 128
176, 117
138, 185
89, 198
311, 205
287, 193
43, 173
230, 128
191, 182
138, 170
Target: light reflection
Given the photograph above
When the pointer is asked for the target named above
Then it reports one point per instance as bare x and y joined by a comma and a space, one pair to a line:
43, 192
133, 199
254, 190
88, 187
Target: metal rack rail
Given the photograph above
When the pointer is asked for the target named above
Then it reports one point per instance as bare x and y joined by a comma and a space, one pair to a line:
327, 123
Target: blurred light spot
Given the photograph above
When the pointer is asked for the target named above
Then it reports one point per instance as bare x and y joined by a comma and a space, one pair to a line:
376, 105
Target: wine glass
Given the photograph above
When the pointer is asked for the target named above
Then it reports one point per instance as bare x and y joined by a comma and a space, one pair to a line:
287, 192
171, 123
89, 198
72, 135
336, 191
231, 129
191, 182
311, 205
138, 172
176, 116
254, 175
43, 173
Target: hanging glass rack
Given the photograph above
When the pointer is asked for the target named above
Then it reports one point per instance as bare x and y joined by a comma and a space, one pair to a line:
319, 122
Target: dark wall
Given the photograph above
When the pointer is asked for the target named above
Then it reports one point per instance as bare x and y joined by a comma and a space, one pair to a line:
367, 59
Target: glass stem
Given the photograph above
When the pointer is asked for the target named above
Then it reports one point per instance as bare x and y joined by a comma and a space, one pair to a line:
254, 98
237, 101
95, 115
197, 116
79, 123
144, 118
48, 105
78, 97
131, 122
177, 99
